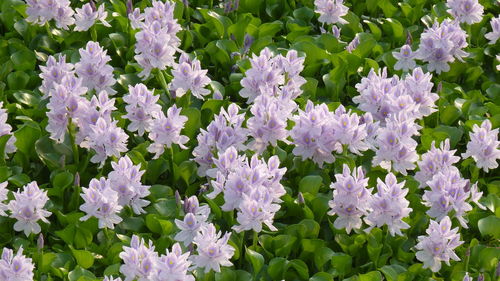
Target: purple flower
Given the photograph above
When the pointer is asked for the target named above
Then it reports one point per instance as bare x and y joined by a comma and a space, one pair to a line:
434, 161
166, 131
419, 86
483, 146
350, 199
441, 44
468, 11
53, 73
16, 268
389, 206
41, 11
223, 132
348, 131
174, 265
252, 188
449, 192
142, 107
6, 129
438, 244
396, 149
140, 260
106, 139
85, 17
495, 33
275, 76
189, 228
125, 179
255, 210
311, 134
213, 250
157, 42
28, 207
94, 70
3, 197
331, 11
101, 202
268, 123
405, 59
188, 76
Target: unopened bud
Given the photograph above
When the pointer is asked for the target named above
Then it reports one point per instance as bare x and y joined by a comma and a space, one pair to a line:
62, 160
409, 39
92, 4
300, 199
218, 95
40, 242
203, 189
480, 277
76, 182
178, 200
497, 272
439, 87
130, 7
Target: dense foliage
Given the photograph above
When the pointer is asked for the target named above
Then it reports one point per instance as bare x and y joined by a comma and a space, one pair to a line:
249, 140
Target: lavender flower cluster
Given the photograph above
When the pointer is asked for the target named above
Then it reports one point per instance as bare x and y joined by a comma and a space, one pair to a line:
352, 200
27, 207
141, 262
251, 187
157, 42
105, 198
15, 267
43, 11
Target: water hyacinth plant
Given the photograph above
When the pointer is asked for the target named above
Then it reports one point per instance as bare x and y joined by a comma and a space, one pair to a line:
168, 140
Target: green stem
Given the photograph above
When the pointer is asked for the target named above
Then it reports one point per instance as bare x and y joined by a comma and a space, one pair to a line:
93, 33
255, 240
47, 28
467, 257
208, 275
161, 79
242, 240
74, 147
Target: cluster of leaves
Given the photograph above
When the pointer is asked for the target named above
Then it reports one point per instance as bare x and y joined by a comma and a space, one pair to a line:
306, 245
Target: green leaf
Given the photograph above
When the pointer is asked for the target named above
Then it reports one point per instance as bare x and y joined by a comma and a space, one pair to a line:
83, 237
490, 226
371, 276
276, 268
310, 184
342, 263
23, 60
3, 142
134, 224
226, 274
62, 180
256, 259
449, 115
67, 234
85, 259
321, 276
300, 267
26, 136
79, 272
17, 80
391, 272
270, 28
322, 256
